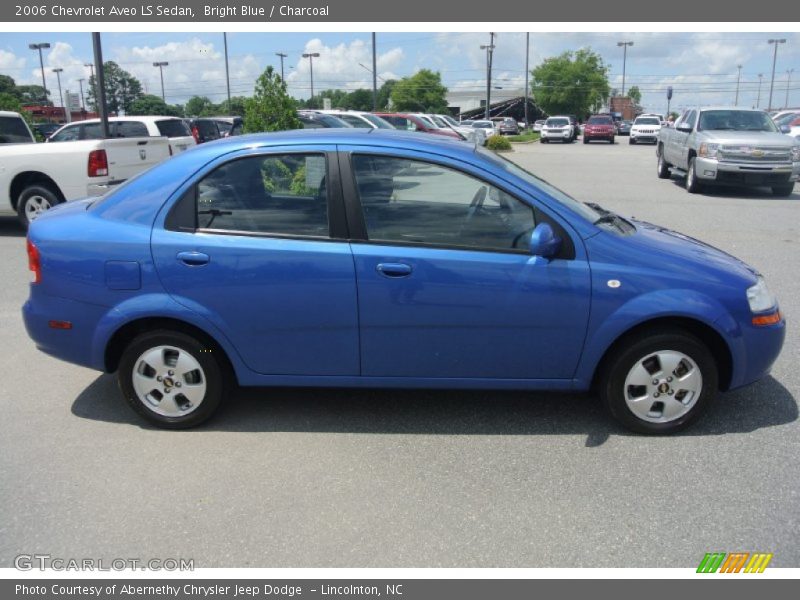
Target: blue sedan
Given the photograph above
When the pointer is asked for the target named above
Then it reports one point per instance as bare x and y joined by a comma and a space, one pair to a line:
386, 259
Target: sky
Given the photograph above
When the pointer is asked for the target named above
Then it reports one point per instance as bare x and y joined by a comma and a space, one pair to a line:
701, 67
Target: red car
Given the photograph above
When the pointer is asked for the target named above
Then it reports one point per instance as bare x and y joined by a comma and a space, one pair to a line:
406, 122
599, 127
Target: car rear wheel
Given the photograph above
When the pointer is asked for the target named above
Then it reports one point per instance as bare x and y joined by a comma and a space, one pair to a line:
692, 183
33, 201
659, 382
171, 379
783, 190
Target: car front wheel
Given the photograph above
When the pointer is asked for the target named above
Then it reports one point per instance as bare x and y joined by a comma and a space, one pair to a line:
692, 182
663, 166
33, 201
631, 141
660, 382
171, 379
783, 190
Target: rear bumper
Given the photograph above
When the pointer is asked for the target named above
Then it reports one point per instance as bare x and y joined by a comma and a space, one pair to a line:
98, 189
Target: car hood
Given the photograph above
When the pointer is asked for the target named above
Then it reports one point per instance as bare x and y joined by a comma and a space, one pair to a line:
755, 138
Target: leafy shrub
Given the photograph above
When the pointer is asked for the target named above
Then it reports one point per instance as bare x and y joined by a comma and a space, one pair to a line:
498, 143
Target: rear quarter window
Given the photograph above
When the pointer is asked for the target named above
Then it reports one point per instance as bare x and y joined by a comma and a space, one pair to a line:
173, 128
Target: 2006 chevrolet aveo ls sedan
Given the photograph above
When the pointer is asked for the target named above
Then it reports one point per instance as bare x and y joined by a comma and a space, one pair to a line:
386, 259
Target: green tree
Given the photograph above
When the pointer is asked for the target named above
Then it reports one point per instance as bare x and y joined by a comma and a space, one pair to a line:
423, 91
571, 83
385, 94
149, 104
122, 89
10, 102
270, 108
32, 94
200, 106
338, 99
360, 99
634, 94
8, 85
234, 108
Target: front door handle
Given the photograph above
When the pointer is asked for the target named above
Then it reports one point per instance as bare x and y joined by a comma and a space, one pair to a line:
394, 269
193, 259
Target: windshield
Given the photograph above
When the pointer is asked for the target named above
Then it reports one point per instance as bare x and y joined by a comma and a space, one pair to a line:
647, 121
439, 122
377, 121
513, 169
735, 120
599, 121
557, 122
450, 120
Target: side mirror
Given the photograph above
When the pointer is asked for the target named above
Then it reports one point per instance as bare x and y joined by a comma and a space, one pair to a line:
785, 129
685, 127
544, 241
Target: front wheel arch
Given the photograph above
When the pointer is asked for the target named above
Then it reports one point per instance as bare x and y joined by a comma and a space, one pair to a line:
706, 334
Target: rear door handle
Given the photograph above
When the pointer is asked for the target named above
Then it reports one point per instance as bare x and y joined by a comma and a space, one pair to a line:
394, 269
193, 259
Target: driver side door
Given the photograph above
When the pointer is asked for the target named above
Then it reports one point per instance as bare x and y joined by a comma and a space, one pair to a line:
447, 286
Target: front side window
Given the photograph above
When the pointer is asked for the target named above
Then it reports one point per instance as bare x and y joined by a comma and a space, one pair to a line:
417, 202
67, 134
282, 194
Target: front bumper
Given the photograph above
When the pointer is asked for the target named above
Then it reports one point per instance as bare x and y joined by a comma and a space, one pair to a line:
644, 137
744, 173
557, 135
754, 352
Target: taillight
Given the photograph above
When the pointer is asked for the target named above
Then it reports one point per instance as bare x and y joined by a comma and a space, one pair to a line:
34, 263
196, 134
98, 163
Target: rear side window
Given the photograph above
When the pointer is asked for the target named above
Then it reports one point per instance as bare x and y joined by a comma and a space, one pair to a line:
13, 131
173, 128
411, 201
282, 194
128, 129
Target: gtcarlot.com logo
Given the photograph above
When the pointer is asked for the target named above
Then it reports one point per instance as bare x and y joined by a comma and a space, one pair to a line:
735, 562
44, 562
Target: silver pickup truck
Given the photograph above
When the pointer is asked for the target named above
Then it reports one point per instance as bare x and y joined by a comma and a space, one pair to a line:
728, 145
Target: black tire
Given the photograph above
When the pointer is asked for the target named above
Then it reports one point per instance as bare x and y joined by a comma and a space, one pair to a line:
543, 140
693, 185
33, 200
611, 140
621, 361
585, 141
662, 168
631, 141
783, 190
212, 374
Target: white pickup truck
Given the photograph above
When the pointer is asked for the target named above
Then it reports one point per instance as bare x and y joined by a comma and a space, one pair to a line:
35, 177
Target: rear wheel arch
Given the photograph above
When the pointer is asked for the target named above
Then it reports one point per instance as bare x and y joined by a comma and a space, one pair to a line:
706, 334
123, 336
27, 179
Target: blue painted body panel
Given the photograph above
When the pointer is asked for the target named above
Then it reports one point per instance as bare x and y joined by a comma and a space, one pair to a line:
319, 313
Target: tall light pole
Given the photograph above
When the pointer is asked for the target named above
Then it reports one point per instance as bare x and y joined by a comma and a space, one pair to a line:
489, 51
227, 73
58, 72
100, 83
311, 56
775, 42
83, 102
788, 81
624, 61
527, 56
738, 79
374, 75
161, 65
282, 55
758, 98
40, 47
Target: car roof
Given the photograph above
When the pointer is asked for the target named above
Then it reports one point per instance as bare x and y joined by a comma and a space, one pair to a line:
129, 118
9, 113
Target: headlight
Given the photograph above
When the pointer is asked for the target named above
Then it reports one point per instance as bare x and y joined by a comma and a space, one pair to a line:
795, 153
760, 298
708, 150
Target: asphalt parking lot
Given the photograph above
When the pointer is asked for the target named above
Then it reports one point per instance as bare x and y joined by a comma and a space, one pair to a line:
343, 478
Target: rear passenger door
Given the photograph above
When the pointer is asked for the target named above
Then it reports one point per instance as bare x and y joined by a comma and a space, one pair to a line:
254, 246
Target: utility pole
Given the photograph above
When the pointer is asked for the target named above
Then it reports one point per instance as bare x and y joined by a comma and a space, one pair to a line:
311, 56
489, 50
375, 75
624, 61
738, 78
101, 84
83, 102
774, 60
282, 55
788, 81
527, 86
161, 66
58, 72
227, 73
758, 98
39, 47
